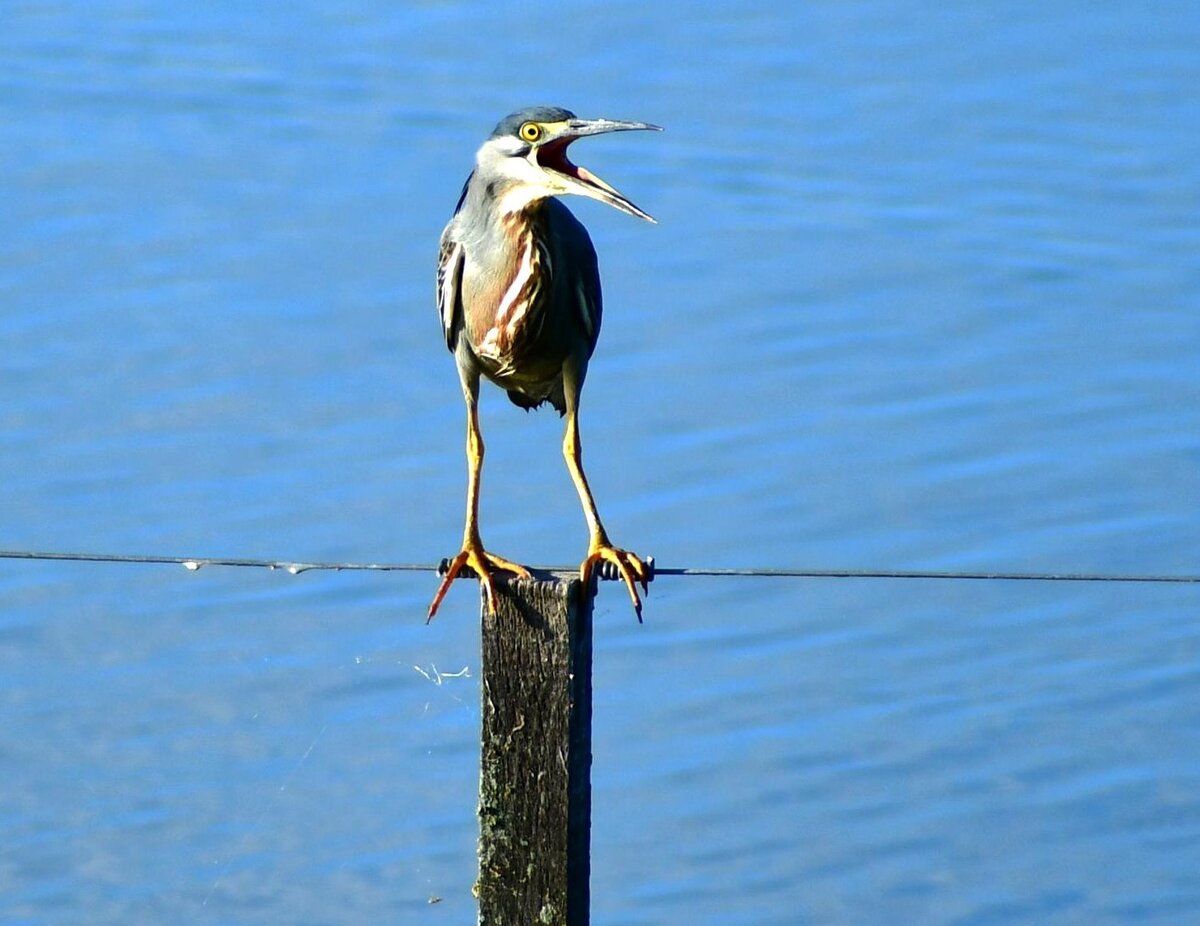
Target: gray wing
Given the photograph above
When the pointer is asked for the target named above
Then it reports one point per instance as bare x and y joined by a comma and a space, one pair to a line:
449, 287
590, 302
574, 253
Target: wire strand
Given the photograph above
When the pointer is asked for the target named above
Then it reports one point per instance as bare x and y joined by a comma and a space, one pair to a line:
295, 567
928, 574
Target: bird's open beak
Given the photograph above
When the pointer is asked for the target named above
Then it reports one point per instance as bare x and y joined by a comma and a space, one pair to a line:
552, 157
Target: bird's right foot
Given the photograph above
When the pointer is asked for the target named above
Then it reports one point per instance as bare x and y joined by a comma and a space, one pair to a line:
482, 563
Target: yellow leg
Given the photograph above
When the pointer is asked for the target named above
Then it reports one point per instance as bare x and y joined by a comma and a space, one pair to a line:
473, 553
631, 568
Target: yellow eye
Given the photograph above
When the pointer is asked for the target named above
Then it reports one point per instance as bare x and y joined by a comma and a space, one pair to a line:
531, 131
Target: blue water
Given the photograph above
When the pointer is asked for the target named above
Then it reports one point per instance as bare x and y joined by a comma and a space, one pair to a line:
923, 295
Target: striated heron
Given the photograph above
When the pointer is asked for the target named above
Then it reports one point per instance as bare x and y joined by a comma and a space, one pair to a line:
518, 291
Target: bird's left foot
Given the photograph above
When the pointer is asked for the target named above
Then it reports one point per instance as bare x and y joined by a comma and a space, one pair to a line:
630, 567
483, 564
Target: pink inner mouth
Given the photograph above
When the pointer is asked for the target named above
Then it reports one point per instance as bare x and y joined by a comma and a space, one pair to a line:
554, 157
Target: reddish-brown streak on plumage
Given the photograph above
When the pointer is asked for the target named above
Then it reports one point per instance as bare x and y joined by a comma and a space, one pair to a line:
496, 330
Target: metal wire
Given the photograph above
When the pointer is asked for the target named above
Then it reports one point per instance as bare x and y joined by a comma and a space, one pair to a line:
928, 574
606, 571
196, 562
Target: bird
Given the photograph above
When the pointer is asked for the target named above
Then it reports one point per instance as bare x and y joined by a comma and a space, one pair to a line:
518, 295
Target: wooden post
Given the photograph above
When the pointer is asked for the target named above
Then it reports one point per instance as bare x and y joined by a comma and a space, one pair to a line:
535, 789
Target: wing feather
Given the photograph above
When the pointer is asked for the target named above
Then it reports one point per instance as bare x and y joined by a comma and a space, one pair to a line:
578, 285
449, 287
589, 301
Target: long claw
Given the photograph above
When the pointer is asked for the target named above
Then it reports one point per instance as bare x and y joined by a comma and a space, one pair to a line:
489, 592
499, 562
632, 570
452, 572
641, 570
